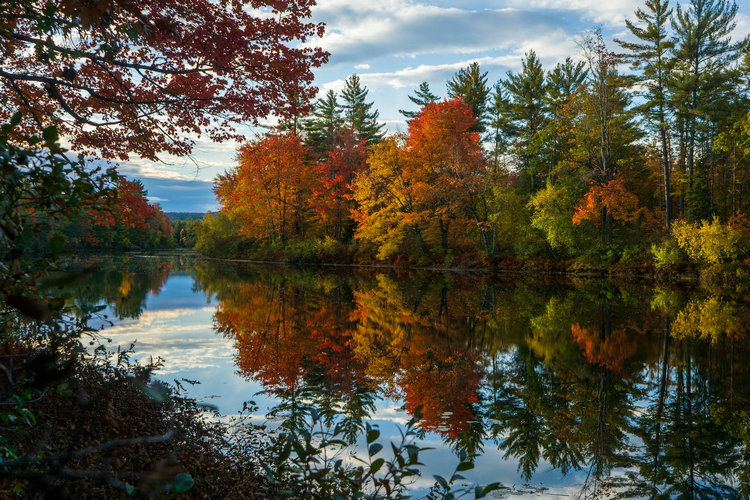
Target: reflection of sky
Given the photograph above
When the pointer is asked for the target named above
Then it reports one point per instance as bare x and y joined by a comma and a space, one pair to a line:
177, 327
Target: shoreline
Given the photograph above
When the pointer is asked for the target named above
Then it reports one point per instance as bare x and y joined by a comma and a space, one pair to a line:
684, 272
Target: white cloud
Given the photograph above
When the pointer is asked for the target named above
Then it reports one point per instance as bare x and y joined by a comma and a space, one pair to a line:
361, 66
359, 31
551, 48
608, 12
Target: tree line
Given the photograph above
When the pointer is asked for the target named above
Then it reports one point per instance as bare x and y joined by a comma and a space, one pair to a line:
633, 149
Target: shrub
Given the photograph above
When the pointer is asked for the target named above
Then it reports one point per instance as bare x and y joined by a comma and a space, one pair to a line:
666, 254
632, 253
710, 242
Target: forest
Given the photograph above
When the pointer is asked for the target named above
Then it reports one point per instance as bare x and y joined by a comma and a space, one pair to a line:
630, 154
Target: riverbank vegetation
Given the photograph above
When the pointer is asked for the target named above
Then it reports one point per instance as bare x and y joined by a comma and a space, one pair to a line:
630, 155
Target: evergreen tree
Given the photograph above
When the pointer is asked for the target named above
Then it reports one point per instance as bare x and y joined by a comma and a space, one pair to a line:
650, 58
422, 96
470, 85
501, 124
563, 82
359, 114
526, 94
323, 126
704, 60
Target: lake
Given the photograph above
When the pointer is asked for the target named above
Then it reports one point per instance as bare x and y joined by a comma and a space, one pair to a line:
558, 387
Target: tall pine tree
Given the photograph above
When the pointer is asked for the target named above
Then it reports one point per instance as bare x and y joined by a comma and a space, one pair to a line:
422, 96
526, 94
470, 85
704, 58
358, 113
651, 60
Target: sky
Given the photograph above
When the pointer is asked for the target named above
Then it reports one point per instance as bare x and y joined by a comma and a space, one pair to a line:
393, 45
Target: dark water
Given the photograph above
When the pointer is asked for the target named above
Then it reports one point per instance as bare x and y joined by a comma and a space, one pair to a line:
559, 388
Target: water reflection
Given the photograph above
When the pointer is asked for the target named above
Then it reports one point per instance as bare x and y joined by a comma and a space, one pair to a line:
645, 391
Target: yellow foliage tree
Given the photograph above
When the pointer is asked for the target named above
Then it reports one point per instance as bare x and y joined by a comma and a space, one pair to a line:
711, 242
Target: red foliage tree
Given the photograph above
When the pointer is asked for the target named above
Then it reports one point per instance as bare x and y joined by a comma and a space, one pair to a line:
331, 200
121, 77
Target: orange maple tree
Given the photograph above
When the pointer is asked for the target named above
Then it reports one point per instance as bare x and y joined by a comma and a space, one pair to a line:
270, 187
613, 196
425, 184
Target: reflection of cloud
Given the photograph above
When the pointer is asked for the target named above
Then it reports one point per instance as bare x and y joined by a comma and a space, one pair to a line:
392, 414
183, 337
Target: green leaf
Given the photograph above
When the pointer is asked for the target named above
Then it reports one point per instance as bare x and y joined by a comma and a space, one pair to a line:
482, 492
15, 119
464, 466
376, 465
441, 481
182, 483
49, 134
375, 449
372, 435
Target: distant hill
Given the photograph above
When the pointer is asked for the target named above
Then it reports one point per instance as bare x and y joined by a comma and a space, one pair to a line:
185, 215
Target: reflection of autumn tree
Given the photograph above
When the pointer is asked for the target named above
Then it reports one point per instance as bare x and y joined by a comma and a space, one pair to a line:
585, 377
709, 319
414, 339
610, 350
124, 285
697, 456
294, 335
285, 333
691, 447
556, 401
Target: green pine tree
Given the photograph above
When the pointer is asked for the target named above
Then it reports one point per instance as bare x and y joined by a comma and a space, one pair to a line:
652, 63
703, 70
470, 85
563, 82
501, 124
422, 96
358, 113
526, 94
321, 129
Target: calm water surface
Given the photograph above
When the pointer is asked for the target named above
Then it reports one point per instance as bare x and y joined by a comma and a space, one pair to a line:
559, 388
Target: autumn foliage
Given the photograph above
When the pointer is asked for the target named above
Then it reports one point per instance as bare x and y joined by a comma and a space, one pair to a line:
269, 190
137, 77
125, 219
611, 198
